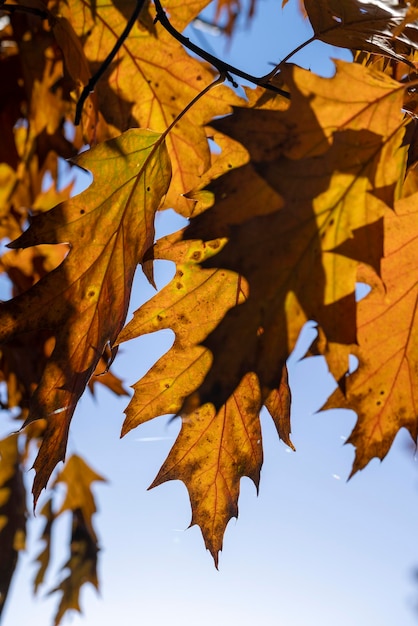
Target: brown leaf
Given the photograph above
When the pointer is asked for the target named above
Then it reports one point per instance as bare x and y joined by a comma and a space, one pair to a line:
378, 27
12, 512
278, 405
81, 566
44, 556
213, 451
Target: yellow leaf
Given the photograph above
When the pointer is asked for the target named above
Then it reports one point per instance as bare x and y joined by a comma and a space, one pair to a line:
108, 228
78, 477
213, 451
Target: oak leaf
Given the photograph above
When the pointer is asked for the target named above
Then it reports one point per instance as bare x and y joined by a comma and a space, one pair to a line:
383, 390
78, 477
373, 26
332, 163
214, 448
324, 170
84, 301
80, 567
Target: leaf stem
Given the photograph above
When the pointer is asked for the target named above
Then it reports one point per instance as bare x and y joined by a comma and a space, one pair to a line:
224, 69
218, 81
271, 74
108, 60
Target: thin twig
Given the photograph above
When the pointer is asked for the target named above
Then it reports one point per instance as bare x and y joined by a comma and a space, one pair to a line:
223, 68
218, 81
278, 67
108, 60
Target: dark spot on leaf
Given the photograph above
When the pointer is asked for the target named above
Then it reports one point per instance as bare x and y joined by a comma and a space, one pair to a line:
198, 77
167, 386
172, 98
230, 166
82, 211
179, 285
160, 318
378, 403
91, 294
382, 393
180, 273
214, 244
196, 255
148, 188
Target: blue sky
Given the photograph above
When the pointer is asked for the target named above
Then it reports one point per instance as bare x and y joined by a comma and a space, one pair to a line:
310, 549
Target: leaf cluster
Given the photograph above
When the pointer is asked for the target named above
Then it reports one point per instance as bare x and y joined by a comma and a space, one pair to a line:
313, 190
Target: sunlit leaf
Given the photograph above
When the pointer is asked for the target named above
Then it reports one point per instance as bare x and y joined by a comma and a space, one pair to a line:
383, 390
84, 301
374, 26
332, 164
214, 448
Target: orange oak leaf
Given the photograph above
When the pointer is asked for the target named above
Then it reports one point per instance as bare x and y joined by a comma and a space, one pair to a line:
332, 163
324, 170
214, 448
384, 389
213, 451
81, 566
84, 301
185, 305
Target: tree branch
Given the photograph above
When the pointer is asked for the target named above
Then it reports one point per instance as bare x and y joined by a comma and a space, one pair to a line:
108, 60
223, 68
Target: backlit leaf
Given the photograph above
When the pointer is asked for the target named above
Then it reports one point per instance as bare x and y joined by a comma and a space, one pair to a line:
331, 168
383, 390
214, 448
372, 26
84, 301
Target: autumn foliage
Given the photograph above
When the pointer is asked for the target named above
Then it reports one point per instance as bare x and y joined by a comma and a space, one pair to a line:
297, 188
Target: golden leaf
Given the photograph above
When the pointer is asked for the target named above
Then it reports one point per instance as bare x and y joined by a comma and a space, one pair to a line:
84, 301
